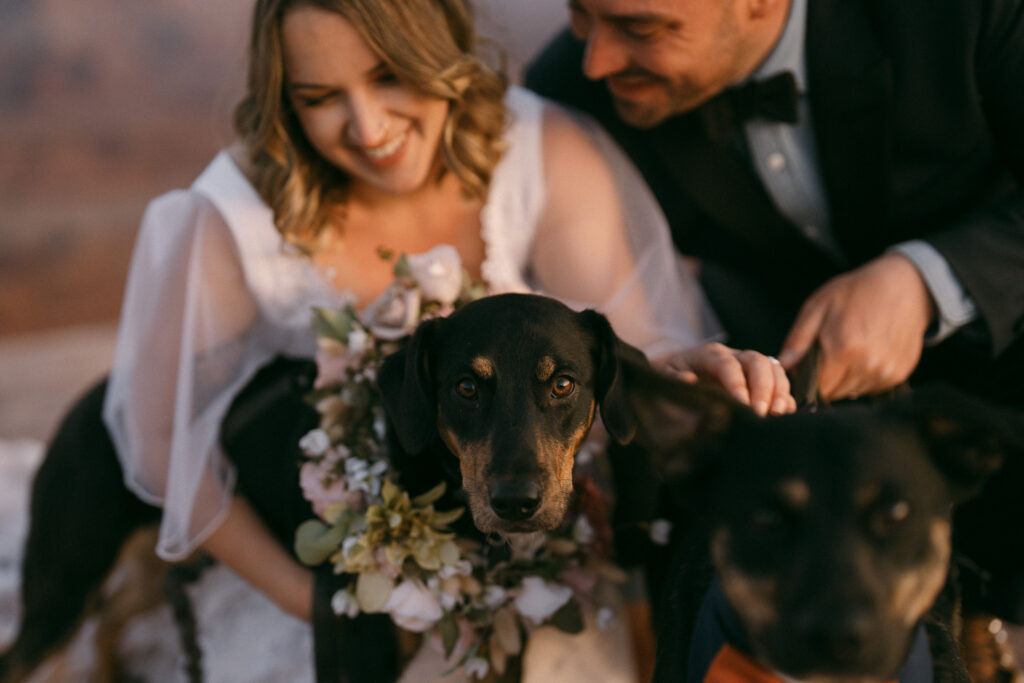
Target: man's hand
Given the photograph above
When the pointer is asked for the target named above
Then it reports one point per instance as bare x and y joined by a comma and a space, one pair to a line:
750, 377
870, 323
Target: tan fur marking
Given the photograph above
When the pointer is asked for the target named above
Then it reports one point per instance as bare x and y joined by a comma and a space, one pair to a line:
752, 598
795, 492
545, 368
866, 495
483, 367
916, 590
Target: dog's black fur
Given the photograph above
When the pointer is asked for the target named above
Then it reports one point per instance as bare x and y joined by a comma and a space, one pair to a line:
829, 532
495, 400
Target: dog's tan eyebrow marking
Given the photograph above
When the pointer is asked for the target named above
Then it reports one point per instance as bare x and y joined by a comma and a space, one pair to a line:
795, 493
866, 495
545, 368
483, 367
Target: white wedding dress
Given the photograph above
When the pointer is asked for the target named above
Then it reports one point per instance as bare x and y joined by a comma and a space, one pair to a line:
213, 294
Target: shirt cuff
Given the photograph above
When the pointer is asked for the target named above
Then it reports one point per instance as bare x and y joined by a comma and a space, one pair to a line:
954, 306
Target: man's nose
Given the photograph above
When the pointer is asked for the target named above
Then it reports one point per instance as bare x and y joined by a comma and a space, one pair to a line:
367, 121
604, 56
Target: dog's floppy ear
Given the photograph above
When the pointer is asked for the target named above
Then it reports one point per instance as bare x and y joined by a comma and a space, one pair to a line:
639, 403
967, 438
407, 390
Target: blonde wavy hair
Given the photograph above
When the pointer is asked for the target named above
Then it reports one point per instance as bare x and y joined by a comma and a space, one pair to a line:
429, 44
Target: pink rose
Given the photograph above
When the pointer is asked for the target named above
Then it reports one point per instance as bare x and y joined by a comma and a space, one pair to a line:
323, 488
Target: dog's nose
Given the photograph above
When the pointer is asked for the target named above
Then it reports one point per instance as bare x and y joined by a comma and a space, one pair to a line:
840, 639
515, 501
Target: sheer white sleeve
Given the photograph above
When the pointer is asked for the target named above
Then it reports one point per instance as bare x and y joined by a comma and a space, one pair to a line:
598, 237
191, 335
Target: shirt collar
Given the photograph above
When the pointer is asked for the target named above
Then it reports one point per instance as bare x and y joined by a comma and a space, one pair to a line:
788, 53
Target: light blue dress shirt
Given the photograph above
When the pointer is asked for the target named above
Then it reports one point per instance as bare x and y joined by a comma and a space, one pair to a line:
785, 158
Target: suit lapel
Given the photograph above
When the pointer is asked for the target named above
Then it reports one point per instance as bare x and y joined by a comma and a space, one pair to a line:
721, 184
850, 88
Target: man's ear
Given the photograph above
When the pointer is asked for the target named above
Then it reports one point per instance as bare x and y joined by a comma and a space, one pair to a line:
407, 390
649, 407
967, 438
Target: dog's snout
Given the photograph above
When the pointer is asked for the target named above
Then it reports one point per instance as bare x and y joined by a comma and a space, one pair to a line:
515, 500
841, 639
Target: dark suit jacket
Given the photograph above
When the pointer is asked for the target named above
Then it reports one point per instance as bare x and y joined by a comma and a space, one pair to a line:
919, 115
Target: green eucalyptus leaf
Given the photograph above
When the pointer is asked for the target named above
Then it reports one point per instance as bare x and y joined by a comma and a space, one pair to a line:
315, 541
441, 520
431, 496
449, 631
334, 323
402, 269
373, 591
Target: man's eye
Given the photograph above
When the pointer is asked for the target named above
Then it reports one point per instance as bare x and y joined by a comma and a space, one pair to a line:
641, 32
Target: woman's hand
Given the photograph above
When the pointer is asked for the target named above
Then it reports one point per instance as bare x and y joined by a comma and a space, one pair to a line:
752, 378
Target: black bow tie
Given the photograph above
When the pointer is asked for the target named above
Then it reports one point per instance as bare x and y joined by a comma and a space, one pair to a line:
774, 99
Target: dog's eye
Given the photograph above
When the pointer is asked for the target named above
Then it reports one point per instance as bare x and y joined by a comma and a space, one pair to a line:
562, 386
888, 516
466, 388
766, 518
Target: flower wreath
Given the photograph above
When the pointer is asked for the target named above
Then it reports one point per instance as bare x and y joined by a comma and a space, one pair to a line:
405, 559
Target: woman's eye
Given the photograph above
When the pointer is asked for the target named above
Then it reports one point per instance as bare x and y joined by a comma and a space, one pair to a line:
386, 78
562, 386
466, 388
312, 101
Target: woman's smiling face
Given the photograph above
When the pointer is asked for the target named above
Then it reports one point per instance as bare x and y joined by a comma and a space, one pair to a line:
355, 112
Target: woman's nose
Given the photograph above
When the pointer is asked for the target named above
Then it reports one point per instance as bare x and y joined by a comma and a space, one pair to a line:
367, 121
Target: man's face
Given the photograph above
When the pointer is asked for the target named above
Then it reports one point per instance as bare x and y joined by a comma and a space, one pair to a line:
663, 57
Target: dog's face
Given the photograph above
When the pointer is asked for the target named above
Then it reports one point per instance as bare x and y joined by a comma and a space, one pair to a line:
830, 535
830, 532
511, 384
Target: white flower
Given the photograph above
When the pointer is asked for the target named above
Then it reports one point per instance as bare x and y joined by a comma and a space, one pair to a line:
357, 341
539, 599
494, 596
362, 476
582, 530
460, 568
395, 313
477, 667
438, 272
380, 425
660, 531
605, 618
346, 545
315, 442
413, 607
345, 603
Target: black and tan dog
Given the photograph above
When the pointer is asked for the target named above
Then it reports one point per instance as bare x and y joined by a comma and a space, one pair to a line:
825, 538
495, 399
509, 385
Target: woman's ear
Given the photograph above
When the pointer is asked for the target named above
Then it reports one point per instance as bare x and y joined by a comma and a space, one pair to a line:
407, 390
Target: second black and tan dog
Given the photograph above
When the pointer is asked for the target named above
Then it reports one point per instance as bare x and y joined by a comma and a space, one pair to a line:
824, 541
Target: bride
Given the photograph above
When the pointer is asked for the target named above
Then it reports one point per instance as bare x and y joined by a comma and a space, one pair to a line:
369, 125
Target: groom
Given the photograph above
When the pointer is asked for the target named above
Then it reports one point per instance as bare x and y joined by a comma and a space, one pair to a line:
848, 173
